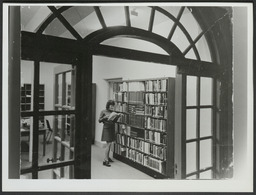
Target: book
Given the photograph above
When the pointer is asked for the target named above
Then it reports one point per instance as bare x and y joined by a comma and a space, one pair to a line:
113, 116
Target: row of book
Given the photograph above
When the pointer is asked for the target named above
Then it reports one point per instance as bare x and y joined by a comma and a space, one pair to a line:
151, 85
136, 97
120, 86
144, 122
120, 97
120, 150
136, 120
135, 156
151, 162
156, 85
123, 118
155, 164
156, 98
139, 109
155, 124
156, 111
155, 137
136, 109
148, 148
136, 86
121, 107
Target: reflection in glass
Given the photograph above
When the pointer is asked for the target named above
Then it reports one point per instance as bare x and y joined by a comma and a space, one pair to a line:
205, 122
205, 153
191, 124
191, 90
191, 157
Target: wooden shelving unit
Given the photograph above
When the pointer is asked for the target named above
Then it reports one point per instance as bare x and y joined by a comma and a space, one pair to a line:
26, 99
145, 132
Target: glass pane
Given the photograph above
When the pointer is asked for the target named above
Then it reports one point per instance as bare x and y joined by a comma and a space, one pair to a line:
174, 10
26, 176
133, 43
205, 122
191, 55
191, 177
27, 83
26, 141
206, 175
203, 49
66, 172
57, 29
205, 153
140, 16
206, 91
191, 157
33, 16
113, 15
190, 23
56, 139
179, 39
162, 24
191, 90
191, 124
51, 98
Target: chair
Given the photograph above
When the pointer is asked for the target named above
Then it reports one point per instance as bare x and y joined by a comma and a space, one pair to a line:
49, 133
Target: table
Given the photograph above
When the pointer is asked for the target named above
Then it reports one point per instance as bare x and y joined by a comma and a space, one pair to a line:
42, 131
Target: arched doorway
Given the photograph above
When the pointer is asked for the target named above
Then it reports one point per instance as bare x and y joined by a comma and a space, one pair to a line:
79, 53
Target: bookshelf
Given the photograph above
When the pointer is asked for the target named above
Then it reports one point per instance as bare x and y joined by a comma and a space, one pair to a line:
26, 99
145, 131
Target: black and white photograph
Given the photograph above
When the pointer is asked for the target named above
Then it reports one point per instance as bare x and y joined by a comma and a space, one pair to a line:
137, 97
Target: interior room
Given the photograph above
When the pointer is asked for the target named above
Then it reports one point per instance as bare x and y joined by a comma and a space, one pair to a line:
168, 70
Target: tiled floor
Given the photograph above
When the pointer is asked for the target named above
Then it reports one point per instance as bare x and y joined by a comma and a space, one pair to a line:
118, 170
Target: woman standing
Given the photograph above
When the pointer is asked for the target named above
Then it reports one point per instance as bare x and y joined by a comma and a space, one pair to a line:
108, 133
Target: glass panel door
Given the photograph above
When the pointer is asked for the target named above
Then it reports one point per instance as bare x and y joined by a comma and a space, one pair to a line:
200, 130
47, 120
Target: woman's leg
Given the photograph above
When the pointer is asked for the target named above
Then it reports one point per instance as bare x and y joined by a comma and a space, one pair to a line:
107, 150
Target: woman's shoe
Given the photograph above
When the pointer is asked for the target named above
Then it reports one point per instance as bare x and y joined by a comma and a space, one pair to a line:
110, 160
106, 163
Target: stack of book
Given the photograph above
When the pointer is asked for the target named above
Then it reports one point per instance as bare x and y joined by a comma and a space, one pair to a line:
156, 85
156, 98
136, 97
153, 163
136, 86
136, 120
136, 109
156, 111
155, 124
155, 137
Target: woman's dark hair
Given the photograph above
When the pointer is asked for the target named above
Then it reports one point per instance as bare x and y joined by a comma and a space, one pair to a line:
110, 102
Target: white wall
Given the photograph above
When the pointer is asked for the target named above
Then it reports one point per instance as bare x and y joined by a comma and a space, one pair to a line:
107, 68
